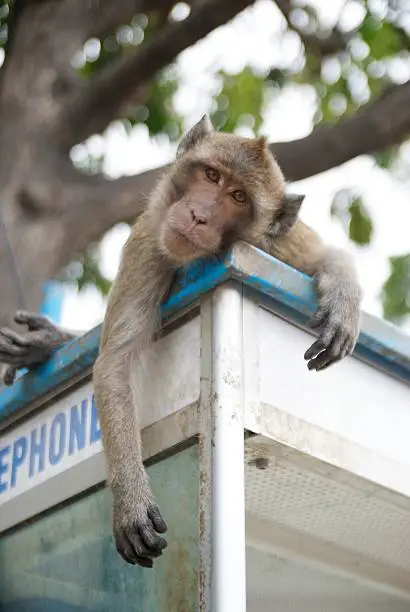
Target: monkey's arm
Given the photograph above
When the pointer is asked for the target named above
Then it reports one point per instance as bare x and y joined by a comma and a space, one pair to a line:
130, 321
339, 292
32, 347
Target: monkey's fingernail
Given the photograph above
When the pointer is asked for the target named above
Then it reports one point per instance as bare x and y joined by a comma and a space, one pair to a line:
157, 520
144, 562
21, 315
316, 348
153, 543
9, 377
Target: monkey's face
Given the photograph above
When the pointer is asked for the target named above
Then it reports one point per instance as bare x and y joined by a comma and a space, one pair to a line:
211, 205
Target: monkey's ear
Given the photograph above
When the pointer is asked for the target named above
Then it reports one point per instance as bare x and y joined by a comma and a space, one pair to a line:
287, 216
195, 134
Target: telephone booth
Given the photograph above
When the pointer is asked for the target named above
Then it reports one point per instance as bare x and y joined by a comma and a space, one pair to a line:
283, 489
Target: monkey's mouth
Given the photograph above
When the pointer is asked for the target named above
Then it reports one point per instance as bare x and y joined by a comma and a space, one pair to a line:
182, 246
185, 239
202, 244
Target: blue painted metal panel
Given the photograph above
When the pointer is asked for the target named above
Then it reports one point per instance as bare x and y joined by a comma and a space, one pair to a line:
292, 294
195, 280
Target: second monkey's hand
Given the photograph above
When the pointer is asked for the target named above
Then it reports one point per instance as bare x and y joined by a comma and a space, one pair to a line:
137, 523
29, 348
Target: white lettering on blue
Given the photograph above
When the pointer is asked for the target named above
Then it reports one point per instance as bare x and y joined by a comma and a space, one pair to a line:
71, 431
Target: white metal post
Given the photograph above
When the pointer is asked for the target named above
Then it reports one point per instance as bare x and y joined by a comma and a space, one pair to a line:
228, 482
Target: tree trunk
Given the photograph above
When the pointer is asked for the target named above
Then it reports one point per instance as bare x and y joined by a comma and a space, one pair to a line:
48, 208
37, 82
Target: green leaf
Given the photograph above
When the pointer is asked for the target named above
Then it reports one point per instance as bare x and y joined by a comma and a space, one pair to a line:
161, 113
383, 38
385, 159
84, 271
240, 99
396, 289
360, 226
350, 210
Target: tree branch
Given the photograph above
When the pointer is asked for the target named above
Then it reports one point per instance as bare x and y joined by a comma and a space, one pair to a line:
94, 204
35, 23
382, 123
98, 17
321, 46
117, 83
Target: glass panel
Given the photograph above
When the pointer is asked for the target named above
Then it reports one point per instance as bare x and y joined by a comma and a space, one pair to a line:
66, 561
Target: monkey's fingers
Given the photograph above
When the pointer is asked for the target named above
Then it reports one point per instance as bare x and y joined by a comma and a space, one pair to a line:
157, 520
32, 320
9, 376
145, 562
333, 351
316, 348
126, 551
8, 350
7, 347
138, 541
145, 542
346, 349
322, 361
153, 542
319, 317
14, 337
137, 546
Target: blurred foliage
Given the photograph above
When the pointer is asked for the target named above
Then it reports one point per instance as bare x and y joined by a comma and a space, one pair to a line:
4, 20
396, 289
360, 225
158, 110
84, 271
239, 101
374, 54
351, 211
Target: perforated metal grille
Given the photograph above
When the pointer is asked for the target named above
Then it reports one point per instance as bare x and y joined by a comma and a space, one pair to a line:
283, 585
310, 503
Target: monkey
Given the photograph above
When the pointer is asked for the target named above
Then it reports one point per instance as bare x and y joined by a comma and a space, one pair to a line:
220, 188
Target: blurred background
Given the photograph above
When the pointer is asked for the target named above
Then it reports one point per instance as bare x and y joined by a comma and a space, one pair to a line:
95, 94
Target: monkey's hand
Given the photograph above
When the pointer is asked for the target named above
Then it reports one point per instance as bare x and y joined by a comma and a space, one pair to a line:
137, 523
338, 315
29, 348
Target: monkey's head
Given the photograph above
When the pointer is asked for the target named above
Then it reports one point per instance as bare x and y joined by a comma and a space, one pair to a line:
222, 188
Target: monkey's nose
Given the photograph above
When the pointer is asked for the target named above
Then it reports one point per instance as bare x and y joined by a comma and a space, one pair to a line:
197, 218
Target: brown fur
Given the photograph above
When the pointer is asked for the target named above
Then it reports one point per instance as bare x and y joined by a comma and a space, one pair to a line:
189, 215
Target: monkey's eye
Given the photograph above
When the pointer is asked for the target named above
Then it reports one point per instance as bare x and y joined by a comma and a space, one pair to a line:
239, 196
212, 174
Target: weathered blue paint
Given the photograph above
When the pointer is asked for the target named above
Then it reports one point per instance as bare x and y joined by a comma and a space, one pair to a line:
67, 362
193, 281
292, 294
380, 343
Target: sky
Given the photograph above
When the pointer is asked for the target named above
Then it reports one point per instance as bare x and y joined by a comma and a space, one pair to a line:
255, 38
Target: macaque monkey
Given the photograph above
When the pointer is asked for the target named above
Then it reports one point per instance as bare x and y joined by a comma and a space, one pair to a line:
221, 188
